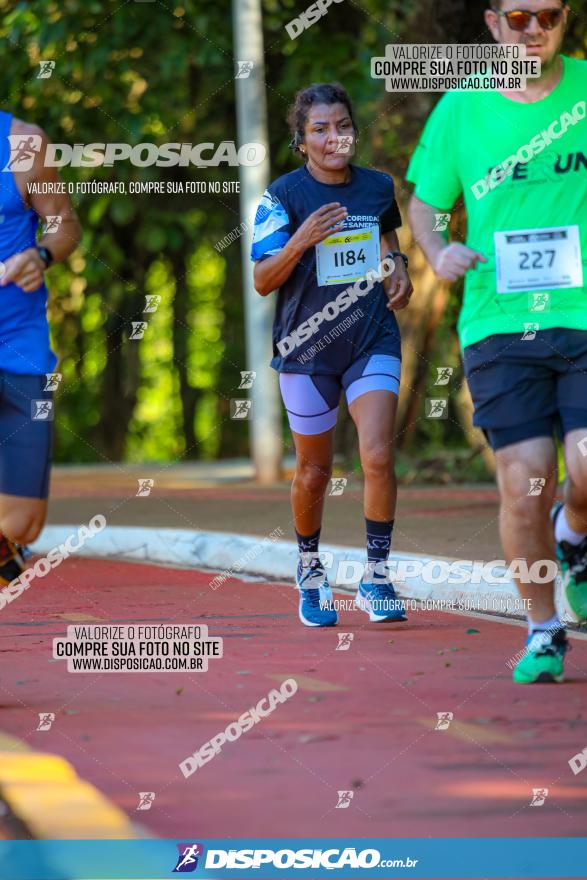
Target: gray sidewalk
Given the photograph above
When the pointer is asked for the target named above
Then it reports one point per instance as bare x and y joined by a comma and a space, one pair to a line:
457, 521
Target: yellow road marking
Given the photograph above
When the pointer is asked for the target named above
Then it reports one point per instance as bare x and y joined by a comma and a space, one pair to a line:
45, 793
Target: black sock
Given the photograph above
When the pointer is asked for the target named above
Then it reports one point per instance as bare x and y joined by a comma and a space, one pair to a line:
308, 545
378, 539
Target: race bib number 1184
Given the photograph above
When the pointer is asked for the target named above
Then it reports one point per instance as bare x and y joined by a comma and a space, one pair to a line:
347, 256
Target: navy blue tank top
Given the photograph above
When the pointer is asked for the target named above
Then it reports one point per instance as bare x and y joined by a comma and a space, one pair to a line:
24, 329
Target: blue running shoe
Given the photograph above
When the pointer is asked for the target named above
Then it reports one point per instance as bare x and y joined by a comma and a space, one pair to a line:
377, 596
316, 602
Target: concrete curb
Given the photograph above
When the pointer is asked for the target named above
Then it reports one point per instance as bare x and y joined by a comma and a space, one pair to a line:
231, 555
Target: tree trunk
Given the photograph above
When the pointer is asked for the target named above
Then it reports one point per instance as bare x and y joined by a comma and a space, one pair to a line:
180, 336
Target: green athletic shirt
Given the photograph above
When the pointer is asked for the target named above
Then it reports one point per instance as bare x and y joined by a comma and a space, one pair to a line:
470, 133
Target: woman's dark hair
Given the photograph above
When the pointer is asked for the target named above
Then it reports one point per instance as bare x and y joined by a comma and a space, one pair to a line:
317, 93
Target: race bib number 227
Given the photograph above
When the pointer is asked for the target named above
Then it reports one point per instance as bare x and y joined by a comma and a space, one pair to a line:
538, 259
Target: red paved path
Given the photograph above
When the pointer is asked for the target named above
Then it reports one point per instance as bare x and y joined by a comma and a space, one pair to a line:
361, 719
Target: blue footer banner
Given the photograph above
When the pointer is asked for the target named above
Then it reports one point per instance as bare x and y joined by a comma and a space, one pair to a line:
482, 857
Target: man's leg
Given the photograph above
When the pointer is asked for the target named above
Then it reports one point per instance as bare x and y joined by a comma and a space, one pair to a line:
524, 519
527, 478
25, 463
21, 519
576, 484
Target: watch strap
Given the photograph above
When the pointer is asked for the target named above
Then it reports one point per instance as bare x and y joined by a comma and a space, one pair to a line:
45, 254
394, 254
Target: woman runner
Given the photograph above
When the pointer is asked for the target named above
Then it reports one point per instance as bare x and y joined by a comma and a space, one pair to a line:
319, 231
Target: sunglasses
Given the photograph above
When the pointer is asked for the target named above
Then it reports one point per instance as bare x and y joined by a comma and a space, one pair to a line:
519, 19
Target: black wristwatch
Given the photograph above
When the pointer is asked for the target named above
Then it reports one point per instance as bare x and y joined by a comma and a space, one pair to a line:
394, 254
46, 255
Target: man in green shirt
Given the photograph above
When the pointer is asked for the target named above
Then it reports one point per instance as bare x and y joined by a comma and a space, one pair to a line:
519, 158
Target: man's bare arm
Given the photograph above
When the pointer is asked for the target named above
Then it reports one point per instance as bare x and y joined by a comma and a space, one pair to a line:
26, 268
450, 260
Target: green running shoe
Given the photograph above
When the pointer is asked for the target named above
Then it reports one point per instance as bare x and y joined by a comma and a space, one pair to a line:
543, 657
573, 562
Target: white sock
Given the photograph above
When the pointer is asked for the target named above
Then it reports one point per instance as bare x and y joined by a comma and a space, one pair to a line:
552, 624
563, 531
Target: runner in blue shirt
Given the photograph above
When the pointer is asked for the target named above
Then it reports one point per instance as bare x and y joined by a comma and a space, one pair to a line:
321, 233
26, 358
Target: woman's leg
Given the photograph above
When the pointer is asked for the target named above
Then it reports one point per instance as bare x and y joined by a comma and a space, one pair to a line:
374, 415
314, 454
312, 405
